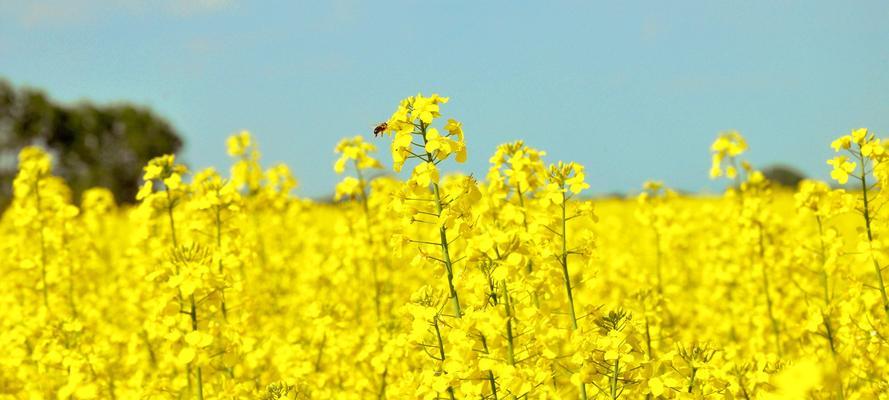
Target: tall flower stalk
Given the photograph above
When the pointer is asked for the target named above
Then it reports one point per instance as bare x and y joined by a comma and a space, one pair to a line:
871, 158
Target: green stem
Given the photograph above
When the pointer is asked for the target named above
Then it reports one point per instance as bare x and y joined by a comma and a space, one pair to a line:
441, 353
615, 373
446, 254
825, 315
648, 339
71, 302
824, 278
151, 356
660, 278
825, 283
366, 207
870, 238
374, 273
382, 393
42, 246
320, 354
219, 248
443, 235
529, 266
194, 327
510, 345
765, 284
172, 221
491, 379
564, 262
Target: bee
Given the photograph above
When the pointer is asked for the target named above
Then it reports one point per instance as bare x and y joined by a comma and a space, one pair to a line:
380, 129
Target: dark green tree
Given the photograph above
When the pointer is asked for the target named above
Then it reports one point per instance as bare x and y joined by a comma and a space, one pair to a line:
93, 145
783, 175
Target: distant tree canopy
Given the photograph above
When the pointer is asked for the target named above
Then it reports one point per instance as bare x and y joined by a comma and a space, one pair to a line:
92, 145
783, 175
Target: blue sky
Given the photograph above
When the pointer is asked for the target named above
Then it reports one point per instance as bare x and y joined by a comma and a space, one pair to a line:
633, 90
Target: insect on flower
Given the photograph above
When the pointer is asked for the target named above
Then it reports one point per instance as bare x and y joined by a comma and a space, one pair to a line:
379, 129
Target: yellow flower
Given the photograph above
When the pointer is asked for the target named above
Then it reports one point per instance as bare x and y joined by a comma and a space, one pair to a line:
401, 146
198, 339
443, 146
655, 386
145, 190
455, 128
873, 148
842, 167
796, 381
185, 356
238, 144
425, 174
357, 151
348, 187
859, 136
727, 147
427, 108
843, 143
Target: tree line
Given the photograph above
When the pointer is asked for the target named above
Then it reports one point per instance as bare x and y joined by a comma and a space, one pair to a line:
93, 145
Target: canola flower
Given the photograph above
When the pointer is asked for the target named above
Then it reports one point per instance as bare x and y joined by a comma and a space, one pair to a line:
442, 286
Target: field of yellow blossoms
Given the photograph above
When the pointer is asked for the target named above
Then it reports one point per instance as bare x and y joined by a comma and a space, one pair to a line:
446, 287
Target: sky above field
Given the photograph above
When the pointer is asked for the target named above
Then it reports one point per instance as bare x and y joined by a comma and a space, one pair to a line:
632, 90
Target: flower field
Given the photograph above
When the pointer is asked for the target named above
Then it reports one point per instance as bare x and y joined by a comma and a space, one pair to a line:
509, 286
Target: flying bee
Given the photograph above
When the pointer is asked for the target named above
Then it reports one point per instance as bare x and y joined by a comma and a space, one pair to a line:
380, 129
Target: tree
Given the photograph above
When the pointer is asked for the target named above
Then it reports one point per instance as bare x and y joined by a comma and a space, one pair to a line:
93, 145
783, 175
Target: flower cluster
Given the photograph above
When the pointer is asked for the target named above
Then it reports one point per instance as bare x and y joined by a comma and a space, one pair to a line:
444, 286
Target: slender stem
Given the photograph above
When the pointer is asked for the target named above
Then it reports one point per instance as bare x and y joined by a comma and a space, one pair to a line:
870, 237
825, 314
200, 384
361, 184
658, 254
219, 248
441, 352
219, 231
71, 301
170, 215
111, 386
518, 190
42, 246
826, 286
194, 327
765, 284
445, 254
374, 272
366, 207
443, 236
491, 379
151, 356
510, 340
529, 266
382, 393
648, 339
614, 376
564, 262
824, 278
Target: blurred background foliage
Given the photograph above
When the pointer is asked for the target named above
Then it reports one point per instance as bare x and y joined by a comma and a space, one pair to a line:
107, 145
784, 175
93, 145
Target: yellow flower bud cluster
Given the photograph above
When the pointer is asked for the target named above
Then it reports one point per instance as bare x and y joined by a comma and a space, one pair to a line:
444, 286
